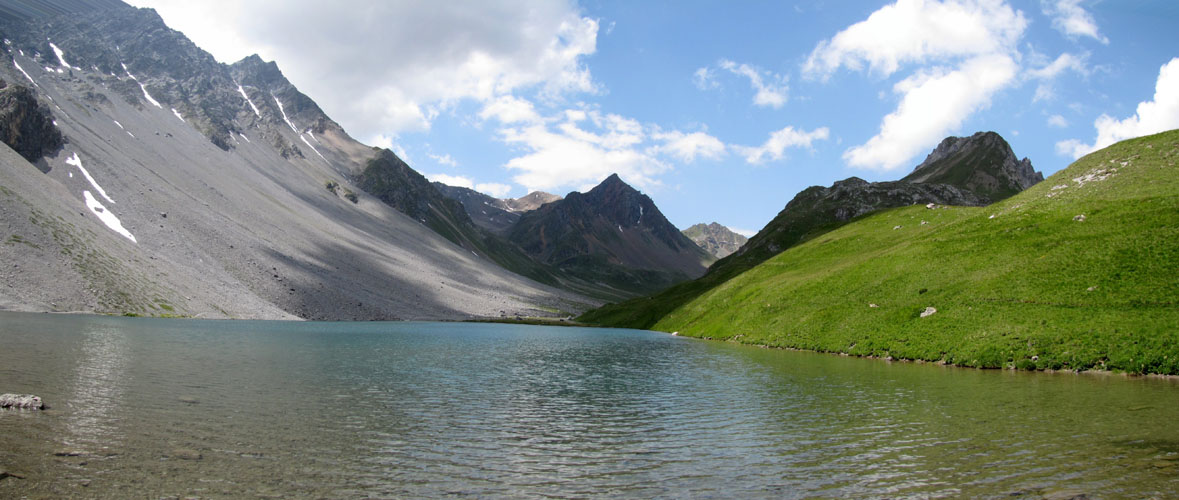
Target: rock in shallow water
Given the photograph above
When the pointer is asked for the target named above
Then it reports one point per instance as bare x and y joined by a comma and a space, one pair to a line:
24, 401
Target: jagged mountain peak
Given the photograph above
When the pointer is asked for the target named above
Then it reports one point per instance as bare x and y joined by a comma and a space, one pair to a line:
715, 238
983, 163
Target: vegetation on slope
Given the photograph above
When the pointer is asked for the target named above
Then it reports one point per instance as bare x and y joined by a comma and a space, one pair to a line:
1078, 272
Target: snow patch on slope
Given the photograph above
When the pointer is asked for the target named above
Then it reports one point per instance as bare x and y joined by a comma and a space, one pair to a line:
247, 98
77, 162
142, 87
106, 216
312, 147
178, 115
23, 72
284, 114
61, 58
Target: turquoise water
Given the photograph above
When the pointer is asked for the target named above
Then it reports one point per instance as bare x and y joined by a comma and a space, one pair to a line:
147, 408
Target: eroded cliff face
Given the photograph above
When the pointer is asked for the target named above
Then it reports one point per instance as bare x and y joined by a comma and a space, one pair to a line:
26, 125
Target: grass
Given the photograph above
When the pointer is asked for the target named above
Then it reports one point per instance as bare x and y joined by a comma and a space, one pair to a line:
1020, 284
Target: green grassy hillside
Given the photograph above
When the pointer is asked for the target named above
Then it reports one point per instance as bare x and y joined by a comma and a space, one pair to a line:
1025, 283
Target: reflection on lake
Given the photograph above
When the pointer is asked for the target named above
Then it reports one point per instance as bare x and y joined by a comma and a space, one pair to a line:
237, 409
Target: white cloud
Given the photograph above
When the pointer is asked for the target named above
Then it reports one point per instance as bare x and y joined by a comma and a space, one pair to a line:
688, 147
510, 109
1049, 72
775, 147
918, 31
748, 233
494, 189
705, 79
1154, 116
577, 148
1057, 121
452, 180
443, 160
1071, 19
477, 50
933, 103
771, 88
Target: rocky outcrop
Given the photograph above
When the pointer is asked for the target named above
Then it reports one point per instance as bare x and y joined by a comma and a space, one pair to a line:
26, 125
715, 239
531, 201
983, 164
22, 401
487, 212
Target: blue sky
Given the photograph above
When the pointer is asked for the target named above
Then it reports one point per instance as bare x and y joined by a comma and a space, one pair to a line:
720, 111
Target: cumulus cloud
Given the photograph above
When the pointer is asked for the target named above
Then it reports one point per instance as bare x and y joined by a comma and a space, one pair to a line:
390, 67
1154, 116
1057, 121
577, 148
775, 147
918, 31
1048, 73
933, 103
1071, 19
687, 147
964, 50
770, 89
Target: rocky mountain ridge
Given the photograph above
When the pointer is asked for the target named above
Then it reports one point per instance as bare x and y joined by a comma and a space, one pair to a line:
715, 239
191, 187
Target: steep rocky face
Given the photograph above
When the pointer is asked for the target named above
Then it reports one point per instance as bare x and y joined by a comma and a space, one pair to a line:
487, 212
531, 201
613, 233
983, 164
191, 187
715, 239
26, 125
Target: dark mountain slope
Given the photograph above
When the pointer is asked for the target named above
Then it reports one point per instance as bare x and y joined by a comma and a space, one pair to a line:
487, 212
974, 161
612, 235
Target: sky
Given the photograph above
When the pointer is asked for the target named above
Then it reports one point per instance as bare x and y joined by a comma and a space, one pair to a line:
719, 111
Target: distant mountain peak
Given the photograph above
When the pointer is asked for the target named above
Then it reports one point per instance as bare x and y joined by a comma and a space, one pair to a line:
715, 238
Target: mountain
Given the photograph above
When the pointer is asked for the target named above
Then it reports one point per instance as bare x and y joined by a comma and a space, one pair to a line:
983, 164
964, 163
715, 239
531, 201
612, 235
1076, 273
494, 214
184, 186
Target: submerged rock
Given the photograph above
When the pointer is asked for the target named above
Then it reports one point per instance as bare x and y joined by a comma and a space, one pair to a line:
23, 401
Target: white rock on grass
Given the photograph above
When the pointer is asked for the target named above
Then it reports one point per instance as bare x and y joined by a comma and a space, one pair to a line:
929, 311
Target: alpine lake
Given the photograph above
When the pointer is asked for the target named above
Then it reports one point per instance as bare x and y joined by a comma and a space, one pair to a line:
175, 408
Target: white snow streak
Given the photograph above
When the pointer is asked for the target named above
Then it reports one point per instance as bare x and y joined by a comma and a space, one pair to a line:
77, 162
106, 216
284, 114
22, 70
247, 98
119, 124
177, 113
312, 147
142, 87
61, 57
244, 137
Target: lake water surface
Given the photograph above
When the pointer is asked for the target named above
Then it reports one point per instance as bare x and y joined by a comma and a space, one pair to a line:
150, 408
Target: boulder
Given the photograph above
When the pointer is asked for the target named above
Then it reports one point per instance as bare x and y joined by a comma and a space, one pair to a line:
23, 401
